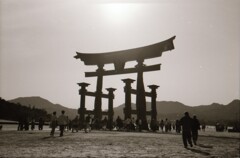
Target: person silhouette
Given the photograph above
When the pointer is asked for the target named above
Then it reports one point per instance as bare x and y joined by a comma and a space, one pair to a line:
53, 123
186, 123
40, 123
87, 123
62, 121
195, 128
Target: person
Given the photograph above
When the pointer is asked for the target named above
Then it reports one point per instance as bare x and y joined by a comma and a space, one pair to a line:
53, 123
132, 124
166, 124
178, 126
26, 123
40, 123
75, 124
104, 123
139, 124
186, 123
161, 124
203, 127
119, 123
87, 123
62, 122
20, 123
127, 124
195, 128
32, 124
153, 125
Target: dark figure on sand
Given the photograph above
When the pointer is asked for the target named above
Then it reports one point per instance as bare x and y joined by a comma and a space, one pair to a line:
119, 123
186, 123
40, 123
178, 126
88, 123
139, 124
53, 123
32, 124
62, 122
195, 128
161, 124
75, 124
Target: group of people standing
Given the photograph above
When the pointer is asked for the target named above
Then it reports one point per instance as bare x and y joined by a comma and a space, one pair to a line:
60, 121
26, 124
187, 125
190, 127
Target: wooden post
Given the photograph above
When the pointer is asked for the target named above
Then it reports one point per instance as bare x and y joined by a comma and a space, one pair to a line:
153, 102
98, 97
127, 89
140, 98
82, 109
110, 107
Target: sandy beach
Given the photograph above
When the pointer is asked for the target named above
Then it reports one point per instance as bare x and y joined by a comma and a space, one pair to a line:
114, 144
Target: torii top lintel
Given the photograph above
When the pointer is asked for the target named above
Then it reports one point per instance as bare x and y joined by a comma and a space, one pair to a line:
122, 56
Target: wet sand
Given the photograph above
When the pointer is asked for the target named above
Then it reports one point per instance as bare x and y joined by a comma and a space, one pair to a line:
114, 144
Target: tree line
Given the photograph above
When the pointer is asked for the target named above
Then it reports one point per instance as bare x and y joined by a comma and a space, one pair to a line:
18, 112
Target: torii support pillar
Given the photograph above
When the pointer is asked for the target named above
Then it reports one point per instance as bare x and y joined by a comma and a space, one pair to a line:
153, 101
140, 98
82, 109
128, 102
98, 97
110, 107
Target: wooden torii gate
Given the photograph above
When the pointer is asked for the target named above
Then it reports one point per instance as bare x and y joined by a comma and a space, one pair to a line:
119, 58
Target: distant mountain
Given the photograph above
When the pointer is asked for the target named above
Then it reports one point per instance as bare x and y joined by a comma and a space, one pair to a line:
41, 103
207, 113
217, 112
165, 109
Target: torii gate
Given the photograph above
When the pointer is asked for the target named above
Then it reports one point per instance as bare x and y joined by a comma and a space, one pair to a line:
119, 58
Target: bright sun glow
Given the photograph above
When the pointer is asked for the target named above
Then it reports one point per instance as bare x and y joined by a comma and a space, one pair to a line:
119, 12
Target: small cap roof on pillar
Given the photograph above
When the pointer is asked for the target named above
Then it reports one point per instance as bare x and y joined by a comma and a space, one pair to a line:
111, 89
128, 80
83, 84
153, 86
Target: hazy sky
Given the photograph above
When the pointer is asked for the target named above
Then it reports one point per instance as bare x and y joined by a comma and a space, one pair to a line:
39, 38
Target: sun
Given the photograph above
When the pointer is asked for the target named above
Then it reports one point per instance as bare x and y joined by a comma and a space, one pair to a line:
119, 12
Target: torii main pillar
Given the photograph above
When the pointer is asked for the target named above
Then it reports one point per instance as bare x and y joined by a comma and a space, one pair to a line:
98, 98
140, 96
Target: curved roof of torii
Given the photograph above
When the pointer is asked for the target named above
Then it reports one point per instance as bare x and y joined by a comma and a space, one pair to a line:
122, 56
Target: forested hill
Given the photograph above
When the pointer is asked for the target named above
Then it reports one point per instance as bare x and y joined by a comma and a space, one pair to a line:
166, 109
208, 113
18, 112
42, 103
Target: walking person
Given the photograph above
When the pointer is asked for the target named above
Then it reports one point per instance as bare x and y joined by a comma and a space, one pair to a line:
195, 128
178, 126
53, 123
166, 125
119, 123
139, 124
87, 123
161, 124
40, 123
62, 121
75, 124
32, 124
186, 123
